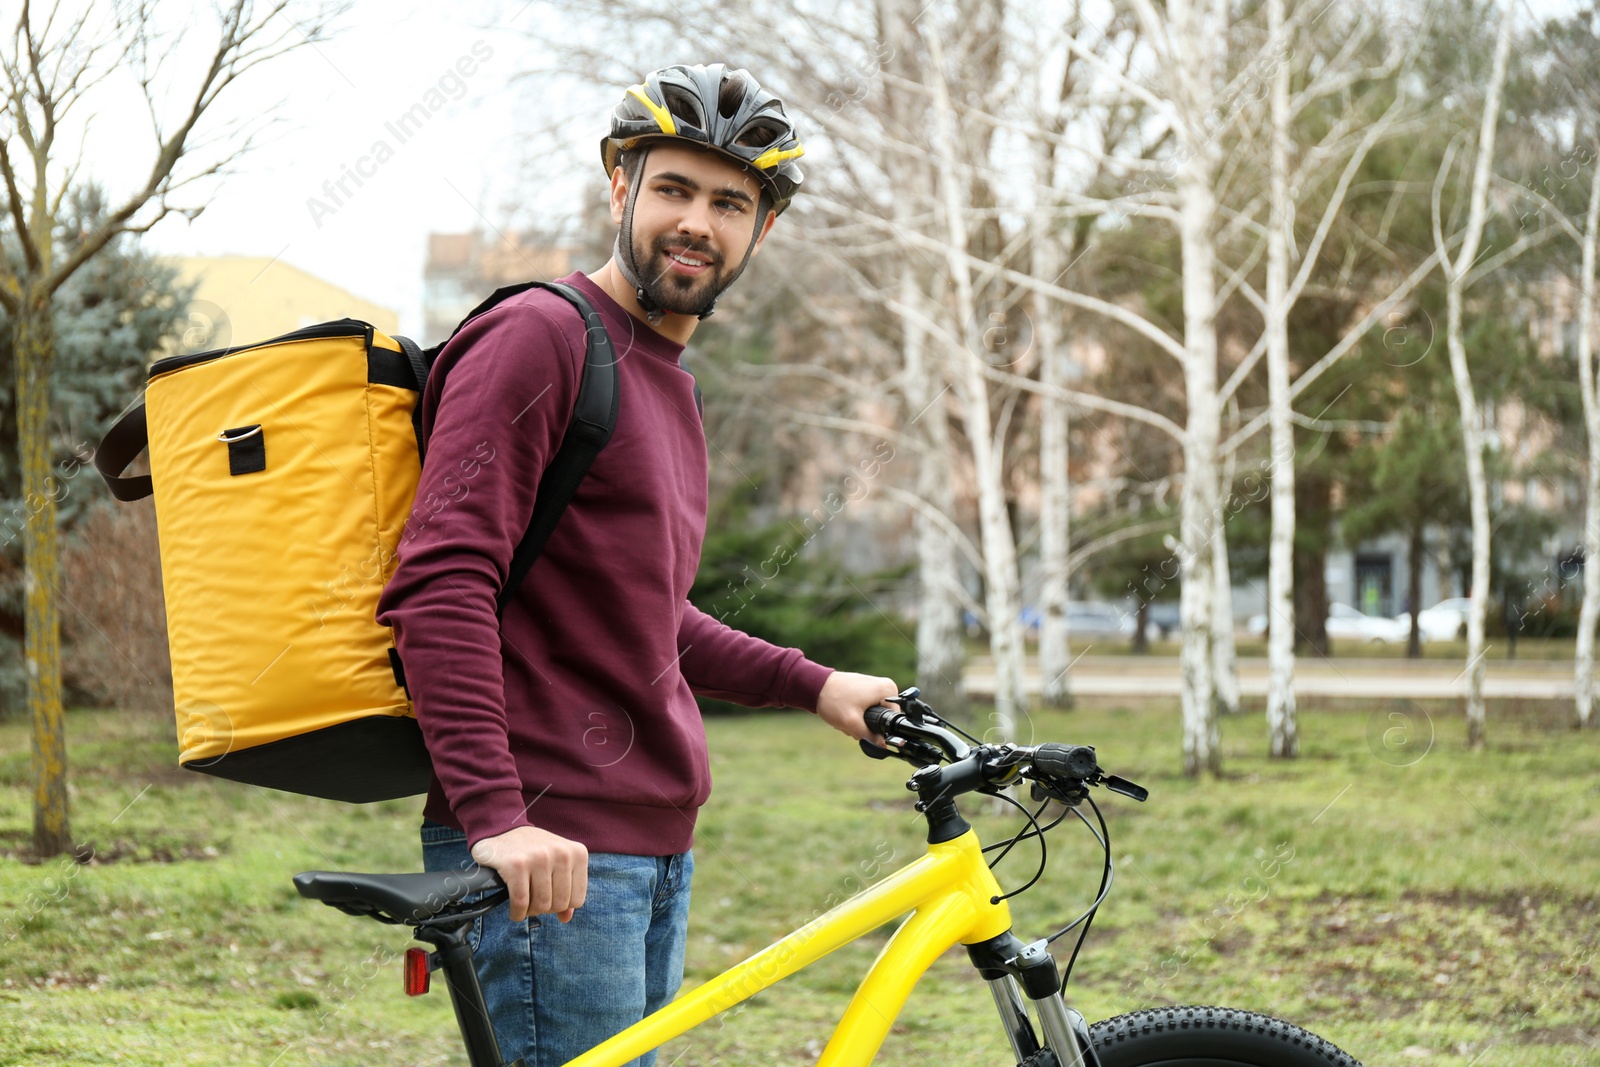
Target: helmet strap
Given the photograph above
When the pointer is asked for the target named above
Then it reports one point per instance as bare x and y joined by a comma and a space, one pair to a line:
755, 235
623, 250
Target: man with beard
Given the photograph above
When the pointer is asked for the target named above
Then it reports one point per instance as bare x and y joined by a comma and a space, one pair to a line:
568, 750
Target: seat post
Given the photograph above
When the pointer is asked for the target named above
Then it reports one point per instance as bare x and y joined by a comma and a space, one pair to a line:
466, 995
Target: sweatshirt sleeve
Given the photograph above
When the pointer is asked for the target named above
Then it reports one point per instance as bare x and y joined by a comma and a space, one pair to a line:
510, 379
719, 661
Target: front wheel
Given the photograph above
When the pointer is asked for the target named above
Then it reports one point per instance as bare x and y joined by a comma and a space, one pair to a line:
1209, 1037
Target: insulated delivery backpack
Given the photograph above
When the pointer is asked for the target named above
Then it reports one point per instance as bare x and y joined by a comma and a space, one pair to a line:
283, 474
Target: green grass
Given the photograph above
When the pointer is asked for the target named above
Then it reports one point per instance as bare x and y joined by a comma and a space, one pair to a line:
1444, 912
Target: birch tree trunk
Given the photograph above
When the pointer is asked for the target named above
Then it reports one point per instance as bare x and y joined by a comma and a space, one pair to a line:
1055, 655
1001, 596
1195, 39
941, 651
1583, 710
1472, 428
941, 654
1054, 502
1478, 491
1283, 733
1225, 659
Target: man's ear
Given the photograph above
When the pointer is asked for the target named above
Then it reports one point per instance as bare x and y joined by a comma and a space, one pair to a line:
619, 193
766, 228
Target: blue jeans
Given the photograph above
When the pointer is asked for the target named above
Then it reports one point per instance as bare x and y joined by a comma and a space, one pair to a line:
555, 989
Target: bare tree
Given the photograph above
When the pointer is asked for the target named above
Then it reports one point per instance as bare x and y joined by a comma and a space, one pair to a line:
1224, 654
965, 352
1578, 100
1351, 137
1055, 501
1575, 107
1190, 39
48, 68
1047, 248
1583, 710
1457, 273
1283, 732
941, 654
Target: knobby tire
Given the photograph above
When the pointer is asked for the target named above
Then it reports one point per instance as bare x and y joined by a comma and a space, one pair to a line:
1209, 1037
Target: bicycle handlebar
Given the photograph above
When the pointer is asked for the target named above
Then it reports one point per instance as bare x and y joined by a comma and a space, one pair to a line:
917, 736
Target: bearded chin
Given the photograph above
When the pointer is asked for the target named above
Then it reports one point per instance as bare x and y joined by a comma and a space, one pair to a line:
676, 293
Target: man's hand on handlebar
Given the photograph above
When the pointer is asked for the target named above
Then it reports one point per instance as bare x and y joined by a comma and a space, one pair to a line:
845, 697
544, 872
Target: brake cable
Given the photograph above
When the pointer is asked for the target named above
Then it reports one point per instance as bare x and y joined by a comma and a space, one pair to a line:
1025, 835
1020, 835
1107, 876
1033, 829
1043, 851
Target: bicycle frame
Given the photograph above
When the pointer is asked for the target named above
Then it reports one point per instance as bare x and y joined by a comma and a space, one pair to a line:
948, 891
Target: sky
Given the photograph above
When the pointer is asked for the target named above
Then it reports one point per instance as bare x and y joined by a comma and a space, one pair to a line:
337, 109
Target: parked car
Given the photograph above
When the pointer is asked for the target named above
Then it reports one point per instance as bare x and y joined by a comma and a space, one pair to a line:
1347, 624
1445, 621
1089, 620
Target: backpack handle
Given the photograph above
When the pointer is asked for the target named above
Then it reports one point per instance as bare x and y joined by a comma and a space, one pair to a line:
127, 437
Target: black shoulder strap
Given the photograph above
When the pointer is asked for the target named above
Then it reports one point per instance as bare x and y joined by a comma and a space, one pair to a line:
419, 370
422, 362
593, 418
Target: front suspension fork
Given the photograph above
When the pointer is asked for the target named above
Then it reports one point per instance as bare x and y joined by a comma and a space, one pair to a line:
1018, 973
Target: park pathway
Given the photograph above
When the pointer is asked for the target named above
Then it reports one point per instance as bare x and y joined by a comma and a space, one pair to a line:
1157, 675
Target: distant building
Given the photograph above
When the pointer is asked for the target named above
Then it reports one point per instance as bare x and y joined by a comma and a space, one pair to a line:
242, 299
463, 268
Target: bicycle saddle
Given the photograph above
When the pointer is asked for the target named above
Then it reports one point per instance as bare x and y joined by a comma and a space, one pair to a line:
396, 898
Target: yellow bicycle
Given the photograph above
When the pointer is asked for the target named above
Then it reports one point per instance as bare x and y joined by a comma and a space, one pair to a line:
952, 898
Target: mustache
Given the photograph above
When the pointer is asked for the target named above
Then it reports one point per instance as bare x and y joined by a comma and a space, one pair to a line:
665, 245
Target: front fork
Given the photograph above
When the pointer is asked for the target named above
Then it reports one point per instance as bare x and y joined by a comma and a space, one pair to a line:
1018, 973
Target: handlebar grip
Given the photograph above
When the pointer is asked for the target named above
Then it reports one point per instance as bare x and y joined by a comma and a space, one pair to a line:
1066, 761
879, 718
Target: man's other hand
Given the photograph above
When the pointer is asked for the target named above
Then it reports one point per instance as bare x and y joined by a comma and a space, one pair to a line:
545, 872
845, 698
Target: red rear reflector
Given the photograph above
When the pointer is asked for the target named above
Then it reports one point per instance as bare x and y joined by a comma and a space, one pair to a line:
416, 972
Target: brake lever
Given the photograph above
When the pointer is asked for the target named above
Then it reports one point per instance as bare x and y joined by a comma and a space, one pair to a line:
1118, 784
915, 752
875, 751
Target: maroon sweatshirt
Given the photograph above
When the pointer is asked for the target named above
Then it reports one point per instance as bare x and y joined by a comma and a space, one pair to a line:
576, 712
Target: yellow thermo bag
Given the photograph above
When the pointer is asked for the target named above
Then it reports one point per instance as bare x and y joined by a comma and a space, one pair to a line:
283, 473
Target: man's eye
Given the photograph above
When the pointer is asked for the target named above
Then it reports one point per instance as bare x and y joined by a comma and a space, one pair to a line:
730, 205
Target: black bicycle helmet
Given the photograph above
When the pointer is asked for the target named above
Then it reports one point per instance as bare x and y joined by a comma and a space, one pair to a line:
725, 110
